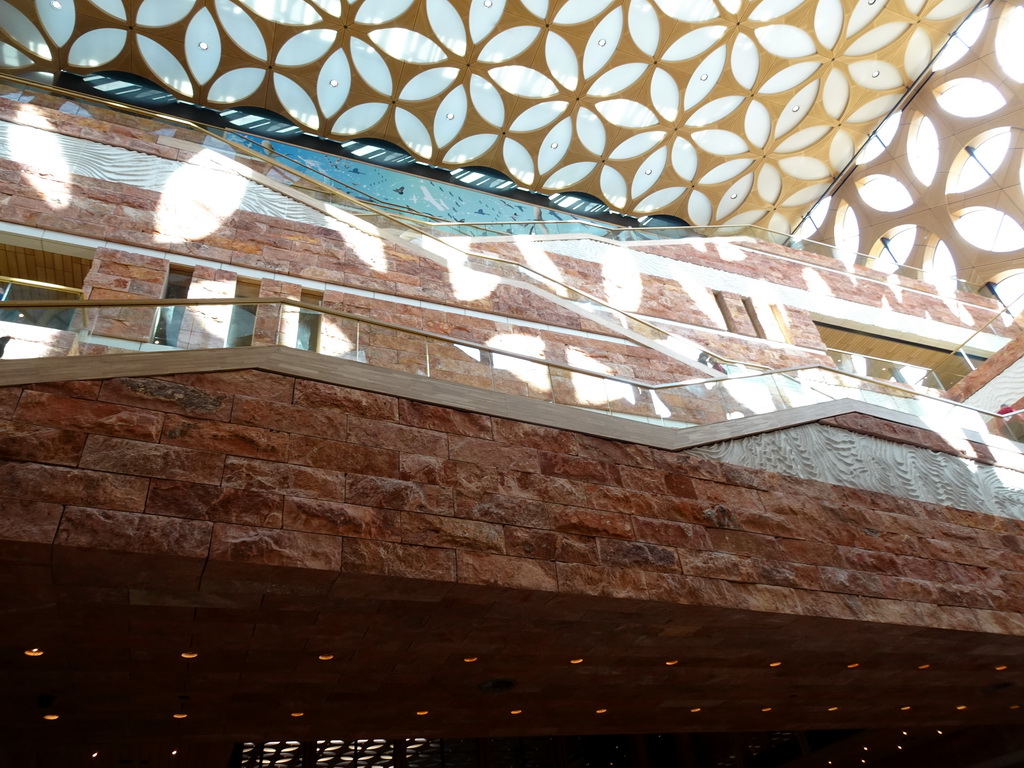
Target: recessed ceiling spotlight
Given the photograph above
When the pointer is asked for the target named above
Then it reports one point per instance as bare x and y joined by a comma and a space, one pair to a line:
325, 656
733, 196
766, 709
189, 655
924, 666
51, 717
939, 732
204, 46
648, 172
1015, 706
423, 712
832, 709
904, 709
775, 664
671, 662
796, 107
1000, 668
174, 752
488, 3
298, 714
95, 754
695, 709
179, 715
602, 42
554, 145
575, 661
34, 652
876, 73
961, 706
333, 83
600, 711
516, 712
450, 116
56, 5
469, 659
704, 76
852, 666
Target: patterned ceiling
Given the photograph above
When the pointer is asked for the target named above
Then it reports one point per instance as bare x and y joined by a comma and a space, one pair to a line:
716, 111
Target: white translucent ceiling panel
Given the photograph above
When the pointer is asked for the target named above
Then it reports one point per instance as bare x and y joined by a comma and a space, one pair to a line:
18, 26
58, 19
470, 148
894, 248
202, 46
406, 45
539, 115
979, 160
294, 12
880, 139
447, 25
923, 149
1009, 51
969, 97
847, 233
238, 84
523, 81
380, 11
989, 229
159, 13
961, 42
240, 27
97, 47
508, 44
884, 193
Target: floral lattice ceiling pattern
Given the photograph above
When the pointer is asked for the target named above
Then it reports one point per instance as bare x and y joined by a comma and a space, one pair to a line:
717, 111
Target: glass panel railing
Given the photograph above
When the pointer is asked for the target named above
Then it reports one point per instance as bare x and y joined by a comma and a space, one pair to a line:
109, 328
885, 370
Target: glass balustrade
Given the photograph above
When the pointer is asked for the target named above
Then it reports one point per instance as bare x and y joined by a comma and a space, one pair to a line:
98, 328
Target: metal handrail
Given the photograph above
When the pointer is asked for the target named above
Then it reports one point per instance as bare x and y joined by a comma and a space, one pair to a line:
97, 303
38, 284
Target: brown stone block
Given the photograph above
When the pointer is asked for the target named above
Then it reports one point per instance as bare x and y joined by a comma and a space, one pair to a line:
342, 457
56, 410
175, 498
536, 437
264, 546
796, 575
505, 510
613, 452
743, 543
9, 398
275, 477
438, 531
851, 582
132, 457
392, 559
601, 581
61, 485
131, 532
808, 552
397, 494
717, 565
591, 522
221, 437
316, 395
82, 390
529, 542
687, 589
318, 516
637, 554
399, 437
169, 396
727, 495
29, 442
27, 529
431, 470
489, 453
289, 418
530, 485
640, 479
671, 533
584, 470
503, 571
475, 480
445, 420
620, 500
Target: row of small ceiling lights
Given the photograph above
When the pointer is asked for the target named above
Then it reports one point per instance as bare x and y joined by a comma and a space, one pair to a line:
189, 655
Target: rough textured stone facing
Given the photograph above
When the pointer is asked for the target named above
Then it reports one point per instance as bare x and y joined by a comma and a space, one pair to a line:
132, 457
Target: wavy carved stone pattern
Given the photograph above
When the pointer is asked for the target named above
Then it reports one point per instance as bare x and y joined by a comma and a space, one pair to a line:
817, 452
719, 111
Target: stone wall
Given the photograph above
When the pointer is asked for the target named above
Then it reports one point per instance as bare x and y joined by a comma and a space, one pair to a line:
209, 471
